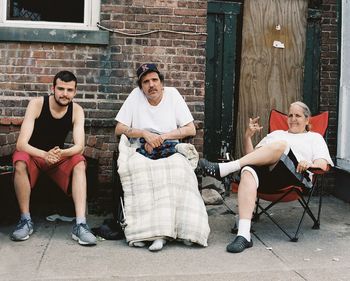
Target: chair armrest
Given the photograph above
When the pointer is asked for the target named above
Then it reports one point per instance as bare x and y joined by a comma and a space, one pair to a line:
319, 171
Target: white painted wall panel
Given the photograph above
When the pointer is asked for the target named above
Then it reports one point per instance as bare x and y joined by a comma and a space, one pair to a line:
343, 153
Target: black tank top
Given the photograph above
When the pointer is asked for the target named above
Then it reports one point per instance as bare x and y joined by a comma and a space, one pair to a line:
48, 131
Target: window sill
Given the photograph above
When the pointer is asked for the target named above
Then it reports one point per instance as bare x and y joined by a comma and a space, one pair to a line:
94, 37
343, 164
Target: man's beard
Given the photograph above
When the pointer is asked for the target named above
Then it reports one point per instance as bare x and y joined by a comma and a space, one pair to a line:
59, 102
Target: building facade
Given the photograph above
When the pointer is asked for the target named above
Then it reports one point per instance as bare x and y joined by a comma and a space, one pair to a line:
104, 43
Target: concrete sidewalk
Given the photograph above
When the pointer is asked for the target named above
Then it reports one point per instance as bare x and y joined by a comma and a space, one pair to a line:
51, 254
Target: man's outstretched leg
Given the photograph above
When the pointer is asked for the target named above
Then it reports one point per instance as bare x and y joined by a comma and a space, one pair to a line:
247, 192
268, 154
81, 231
25, 225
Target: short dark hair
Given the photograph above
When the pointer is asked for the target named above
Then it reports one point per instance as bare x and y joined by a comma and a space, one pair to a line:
65, 76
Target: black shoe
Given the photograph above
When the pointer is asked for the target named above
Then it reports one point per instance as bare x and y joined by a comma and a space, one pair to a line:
239, 245
209, 169
109, 230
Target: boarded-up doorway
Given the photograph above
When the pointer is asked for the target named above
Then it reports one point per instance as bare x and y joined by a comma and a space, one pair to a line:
272, 60
224, 24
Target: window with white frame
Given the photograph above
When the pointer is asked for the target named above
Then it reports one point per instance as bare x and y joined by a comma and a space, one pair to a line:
59, 14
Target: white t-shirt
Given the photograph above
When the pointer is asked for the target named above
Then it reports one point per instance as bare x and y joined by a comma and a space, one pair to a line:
172, 111
305, 146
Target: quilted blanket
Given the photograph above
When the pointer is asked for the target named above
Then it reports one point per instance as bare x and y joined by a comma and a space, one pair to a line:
161, 197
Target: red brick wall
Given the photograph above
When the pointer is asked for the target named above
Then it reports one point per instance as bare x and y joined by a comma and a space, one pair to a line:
107, 74
329, 74
9, 129
329, 67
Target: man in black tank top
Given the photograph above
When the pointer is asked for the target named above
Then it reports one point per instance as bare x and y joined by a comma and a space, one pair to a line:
40, 148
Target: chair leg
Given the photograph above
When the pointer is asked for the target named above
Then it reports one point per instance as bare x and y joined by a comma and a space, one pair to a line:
311, 215
121, 218
227, 185
270, 205
234, 229
320, 184
256, 214
118, 194
304, 203
263, 210
299, 225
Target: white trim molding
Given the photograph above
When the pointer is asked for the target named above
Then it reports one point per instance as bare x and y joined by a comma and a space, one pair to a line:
91, 18
343, 148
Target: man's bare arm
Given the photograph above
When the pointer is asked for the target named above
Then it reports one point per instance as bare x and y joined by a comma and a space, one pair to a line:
252, 128
188, 130
320, 163
78, 133
32, 112
152, 139
129, 132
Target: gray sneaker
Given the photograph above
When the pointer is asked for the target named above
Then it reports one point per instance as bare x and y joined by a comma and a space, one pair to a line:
83, 235
23, 230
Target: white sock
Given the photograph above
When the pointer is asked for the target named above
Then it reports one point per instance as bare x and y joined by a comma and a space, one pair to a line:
26, 216
139, 244
80, 220
157, 245
229, 167
244, 228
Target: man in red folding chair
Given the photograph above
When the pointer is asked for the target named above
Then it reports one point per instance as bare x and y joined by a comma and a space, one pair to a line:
278, 160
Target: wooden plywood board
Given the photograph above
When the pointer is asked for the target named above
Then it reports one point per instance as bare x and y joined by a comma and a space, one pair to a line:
270, 77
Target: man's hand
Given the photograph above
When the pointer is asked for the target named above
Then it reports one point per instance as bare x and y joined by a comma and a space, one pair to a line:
154, 140
303, 165
148, 148
53, 155
253, 127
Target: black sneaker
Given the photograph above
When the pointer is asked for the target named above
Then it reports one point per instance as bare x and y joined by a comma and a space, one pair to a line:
239, 245
209, 169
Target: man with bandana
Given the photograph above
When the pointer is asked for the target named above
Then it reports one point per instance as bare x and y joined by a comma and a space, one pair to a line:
157, 117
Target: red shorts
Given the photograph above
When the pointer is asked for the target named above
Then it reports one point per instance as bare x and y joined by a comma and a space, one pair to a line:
59, 172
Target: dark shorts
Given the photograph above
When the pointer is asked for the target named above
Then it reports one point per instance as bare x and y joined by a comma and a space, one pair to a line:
60, 172
282, 175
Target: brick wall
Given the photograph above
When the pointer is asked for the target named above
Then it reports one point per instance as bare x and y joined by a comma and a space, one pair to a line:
107, 74
9, 129
329, 73
329, 67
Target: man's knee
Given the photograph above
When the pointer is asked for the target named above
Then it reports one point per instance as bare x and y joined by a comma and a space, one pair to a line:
80, 167
20, 167
249, 177
281, 146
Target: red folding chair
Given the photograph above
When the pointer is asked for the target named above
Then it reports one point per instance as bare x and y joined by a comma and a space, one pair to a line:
319, 124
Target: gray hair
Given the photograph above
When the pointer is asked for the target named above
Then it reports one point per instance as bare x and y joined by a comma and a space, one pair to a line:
306, 111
